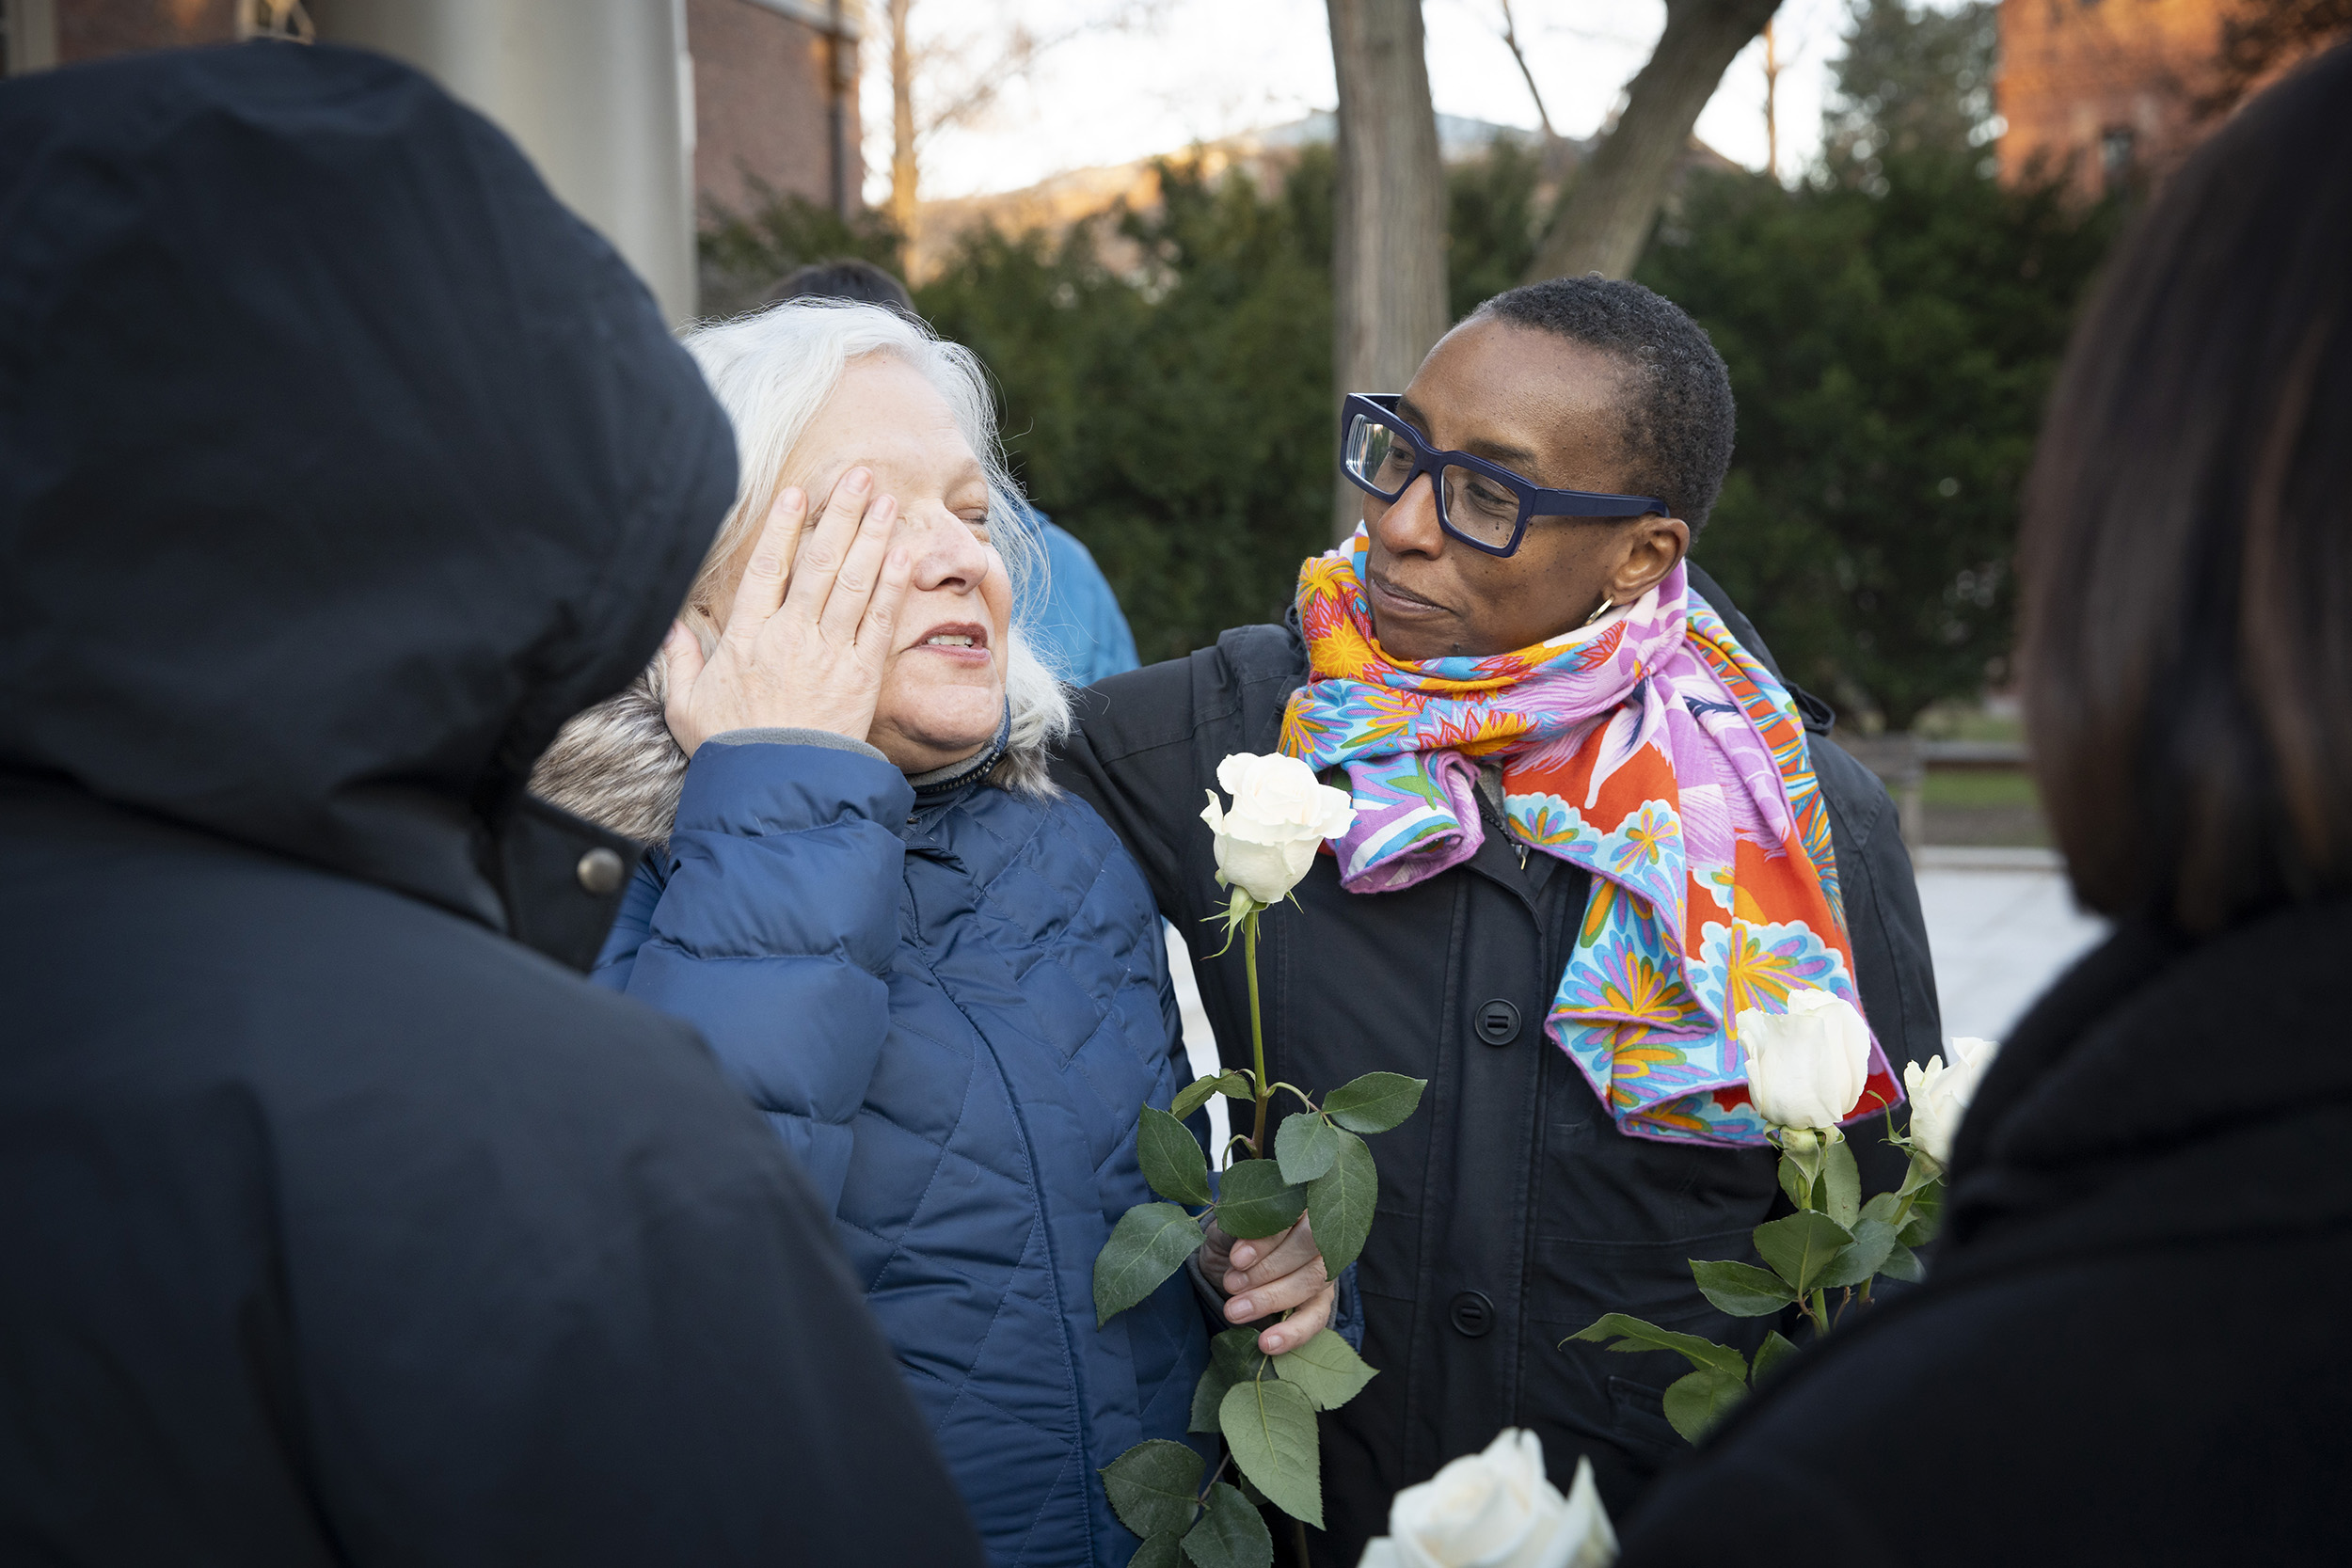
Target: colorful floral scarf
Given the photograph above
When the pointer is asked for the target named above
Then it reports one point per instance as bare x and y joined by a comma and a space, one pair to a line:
1654, 751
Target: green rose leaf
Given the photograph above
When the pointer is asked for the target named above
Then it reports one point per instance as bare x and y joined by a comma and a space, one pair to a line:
1796, 1182
1329, 1371
1234, 1357
1799, 1246
1150, 1242
1305, 1146
1697, 1401
1159, 1551
1922, 1174
1374, 1103
1270, 1426
1881, 1207
1254, 1201
1800, 1165
1234, 1085
1904, 1264
1339, 1202
1741, 1288
1236, 1351
1152, 1487
1872, 1241
1768, 1356
1841, 1183
1172, 1158
1632, 1334
1231, 1534
1927, 1217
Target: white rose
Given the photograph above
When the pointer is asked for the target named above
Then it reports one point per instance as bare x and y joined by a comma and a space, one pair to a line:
1807, 1066
1940, 1094
1497, 1510
1281, 812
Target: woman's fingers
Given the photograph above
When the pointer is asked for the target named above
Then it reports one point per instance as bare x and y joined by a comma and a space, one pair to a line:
828, 545
1216, 1251
681, 667
854, 585
877, 633
760, 595
1278, 1294
1284, 1253
1303, 1324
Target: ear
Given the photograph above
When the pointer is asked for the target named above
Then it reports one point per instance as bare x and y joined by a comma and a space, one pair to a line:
1654, 546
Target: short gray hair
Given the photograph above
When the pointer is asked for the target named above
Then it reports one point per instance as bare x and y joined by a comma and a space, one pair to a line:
774, 372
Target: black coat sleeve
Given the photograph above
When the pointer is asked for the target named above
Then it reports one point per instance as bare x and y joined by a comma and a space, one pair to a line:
1145, 748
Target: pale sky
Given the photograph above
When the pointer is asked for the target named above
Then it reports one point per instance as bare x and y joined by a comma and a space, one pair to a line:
1198, 70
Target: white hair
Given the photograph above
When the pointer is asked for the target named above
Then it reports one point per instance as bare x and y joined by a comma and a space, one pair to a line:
774, 370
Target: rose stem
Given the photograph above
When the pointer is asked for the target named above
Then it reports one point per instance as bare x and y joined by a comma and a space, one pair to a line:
1257, 1032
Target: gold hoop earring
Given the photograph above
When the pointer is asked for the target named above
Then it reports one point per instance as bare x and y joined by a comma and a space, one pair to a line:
1607, 603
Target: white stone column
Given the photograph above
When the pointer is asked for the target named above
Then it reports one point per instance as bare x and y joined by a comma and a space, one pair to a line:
598, 92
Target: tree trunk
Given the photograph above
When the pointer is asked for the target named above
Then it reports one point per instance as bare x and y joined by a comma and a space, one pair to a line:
1388, 270
903, 171
1616, 197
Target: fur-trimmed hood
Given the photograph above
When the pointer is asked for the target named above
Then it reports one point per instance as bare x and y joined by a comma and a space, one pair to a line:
618, 766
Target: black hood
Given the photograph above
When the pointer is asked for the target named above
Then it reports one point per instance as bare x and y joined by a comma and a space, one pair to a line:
338, 462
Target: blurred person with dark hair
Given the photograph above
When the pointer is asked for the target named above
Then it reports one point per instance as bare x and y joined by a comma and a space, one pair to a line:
2128, 1346
1081, 634
1513, 635
849, 278
344, 1220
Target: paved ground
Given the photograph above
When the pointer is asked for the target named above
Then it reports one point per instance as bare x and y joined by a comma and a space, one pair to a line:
2002, 925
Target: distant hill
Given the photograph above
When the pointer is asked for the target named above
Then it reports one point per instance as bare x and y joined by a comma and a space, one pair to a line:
1266, 155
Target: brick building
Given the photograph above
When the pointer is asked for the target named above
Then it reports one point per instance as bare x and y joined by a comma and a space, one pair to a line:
775, 80
2104, 90
775, 101
2117, 91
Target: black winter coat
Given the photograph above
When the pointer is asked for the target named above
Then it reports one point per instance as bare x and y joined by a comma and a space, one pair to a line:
339, 464
2130, 1345
1511, 1211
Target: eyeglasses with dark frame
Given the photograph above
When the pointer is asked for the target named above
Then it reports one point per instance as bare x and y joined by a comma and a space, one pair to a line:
1483, 504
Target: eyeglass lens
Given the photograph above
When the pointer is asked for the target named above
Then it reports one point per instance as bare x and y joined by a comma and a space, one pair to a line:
1381, 458
1377, 456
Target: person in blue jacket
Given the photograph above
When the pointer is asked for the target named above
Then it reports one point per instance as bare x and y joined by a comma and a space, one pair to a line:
942, 977
1080, 630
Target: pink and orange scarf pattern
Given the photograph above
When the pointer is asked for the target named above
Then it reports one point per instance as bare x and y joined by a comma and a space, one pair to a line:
1652, 750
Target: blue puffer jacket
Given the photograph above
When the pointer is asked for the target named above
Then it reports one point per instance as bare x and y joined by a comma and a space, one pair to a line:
952, 1009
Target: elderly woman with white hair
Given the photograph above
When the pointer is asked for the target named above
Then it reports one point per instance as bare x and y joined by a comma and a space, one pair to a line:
942, 978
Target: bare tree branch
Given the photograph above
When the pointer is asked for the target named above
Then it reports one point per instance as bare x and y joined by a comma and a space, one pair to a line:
1607, 218
1511, 42
1019, 54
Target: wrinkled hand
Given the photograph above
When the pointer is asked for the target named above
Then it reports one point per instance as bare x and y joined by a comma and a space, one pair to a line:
809, 635
1266, 1276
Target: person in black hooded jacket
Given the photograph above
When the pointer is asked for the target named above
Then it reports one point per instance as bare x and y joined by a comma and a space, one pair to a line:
341, 1220
2129, 1346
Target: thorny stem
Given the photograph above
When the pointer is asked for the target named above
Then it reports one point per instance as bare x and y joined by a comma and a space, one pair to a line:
1821, 1313
1304, 1099
1257, 1033
1215, 1476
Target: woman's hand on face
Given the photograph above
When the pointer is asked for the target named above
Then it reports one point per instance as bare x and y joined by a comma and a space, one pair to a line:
1266, 1276
808, 638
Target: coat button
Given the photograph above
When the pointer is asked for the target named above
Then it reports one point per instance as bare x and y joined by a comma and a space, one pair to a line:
1473, 1314
600, 871
1498, 1021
